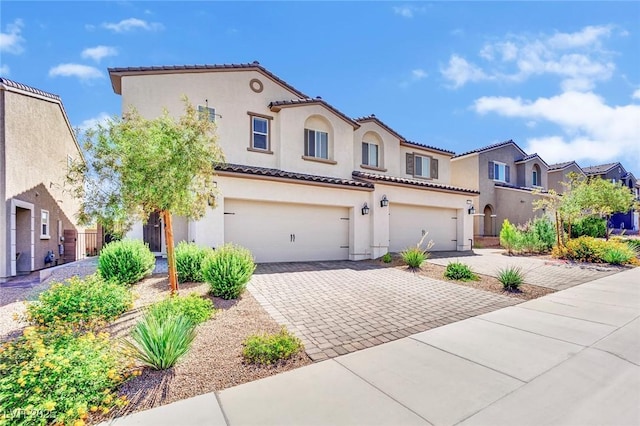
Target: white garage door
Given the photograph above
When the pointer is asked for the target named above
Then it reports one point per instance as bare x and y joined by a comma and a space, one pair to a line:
279, 232
408, 223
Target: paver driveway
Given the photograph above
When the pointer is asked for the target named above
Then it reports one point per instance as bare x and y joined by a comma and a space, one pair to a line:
341, 307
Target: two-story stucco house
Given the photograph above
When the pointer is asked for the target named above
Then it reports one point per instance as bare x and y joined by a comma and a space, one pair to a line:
505, 176
559, 173
37, 144
302, 180
616, 173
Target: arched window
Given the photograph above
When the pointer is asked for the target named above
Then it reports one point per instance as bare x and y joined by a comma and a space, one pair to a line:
535, 176
318, 135
372, 150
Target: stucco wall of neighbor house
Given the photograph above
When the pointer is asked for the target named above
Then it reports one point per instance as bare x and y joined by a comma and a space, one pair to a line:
556, 177
465, 172
4, 205
37, 141
516, 205
525, 174
226, 91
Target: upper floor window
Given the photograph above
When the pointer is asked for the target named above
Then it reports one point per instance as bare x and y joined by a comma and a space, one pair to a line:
316, 144
259, 133
499, 171
370, 154
422, 166
207, 112
535, 176
44, 224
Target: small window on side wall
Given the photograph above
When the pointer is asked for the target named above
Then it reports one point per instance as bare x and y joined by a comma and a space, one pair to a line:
44, 224
207, 113
259, 133
370, 154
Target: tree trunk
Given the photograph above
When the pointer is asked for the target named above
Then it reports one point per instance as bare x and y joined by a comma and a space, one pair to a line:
606, 228
558, 230
171, 258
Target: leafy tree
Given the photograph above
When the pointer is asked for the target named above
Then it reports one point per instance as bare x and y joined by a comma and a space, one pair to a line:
509, 236
137, 166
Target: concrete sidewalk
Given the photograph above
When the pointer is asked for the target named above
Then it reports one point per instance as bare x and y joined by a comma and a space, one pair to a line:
569, 358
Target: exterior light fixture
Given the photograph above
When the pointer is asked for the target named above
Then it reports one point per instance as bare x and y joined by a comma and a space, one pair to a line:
472, 210
365, 209
211, 200
384, 202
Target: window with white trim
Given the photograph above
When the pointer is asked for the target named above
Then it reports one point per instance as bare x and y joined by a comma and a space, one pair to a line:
422, 166
259, 133
316, 144
44, 224
370, 154
207, 113
500, 172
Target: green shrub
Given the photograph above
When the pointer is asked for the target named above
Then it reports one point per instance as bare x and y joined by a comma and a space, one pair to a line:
509, 237
545, 232
189, 257
160, 342
80, 303
386, 258
126, 261
48, 378
591, 226
511, 278
459, 271
268, 349
586, 249
617, 256
634, 244
228, 270
414, 257
197, 309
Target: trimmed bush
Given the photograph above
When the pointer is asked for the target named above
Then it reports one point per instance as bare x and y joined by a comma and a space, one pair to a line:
189, 257
126, 261
509, 237
48, 378
228, 270
511, 278
159, 343
80, 303
197, 309
460, 272
270, 348
386, 258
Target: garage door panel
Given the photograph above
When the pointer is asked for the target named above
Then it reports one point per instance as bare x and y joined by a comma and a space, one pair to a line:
407, 224
280, 232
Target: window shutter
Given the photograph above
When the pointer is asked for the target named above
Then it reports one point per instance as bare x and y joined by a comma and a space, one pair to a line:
365, 153
212, 115
434, 168
506, 174
491, 167
306, 142
410, 165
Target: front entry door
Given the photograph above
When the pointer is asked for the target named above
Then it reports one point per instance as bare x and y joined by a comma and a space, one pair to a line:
152, 232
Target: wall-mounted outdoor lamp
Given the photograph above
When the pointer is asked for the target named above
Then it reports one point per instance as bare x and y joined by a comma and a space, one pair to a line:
384, 202
211, 200
365, 209
471, 210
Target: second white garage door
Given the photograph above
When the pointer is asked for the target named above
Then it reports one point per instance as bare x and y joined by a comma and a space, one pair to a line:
407, 224
280, 232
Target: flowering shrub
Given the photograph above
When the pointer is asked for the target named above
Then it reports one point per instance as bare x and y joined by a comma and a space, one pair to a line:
197, 309
80, 303
271, 348
589, 249
59, 378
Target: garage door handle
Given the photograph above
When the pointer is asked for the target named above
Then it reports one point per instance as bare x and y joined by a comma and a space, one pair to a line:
292, 238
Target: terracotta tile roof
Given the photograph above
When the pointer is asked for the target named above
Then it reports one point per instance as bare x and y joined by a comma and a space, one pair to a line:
14, 84
530, 157
115, 73
375, 119
490, 147
277, 105
600, 169
414, 182
429, 147
523, 188
263, 171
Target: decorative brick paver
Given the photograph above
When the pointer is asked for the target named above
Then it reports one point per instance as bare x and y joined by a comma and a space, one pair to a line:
550, 273
341, 307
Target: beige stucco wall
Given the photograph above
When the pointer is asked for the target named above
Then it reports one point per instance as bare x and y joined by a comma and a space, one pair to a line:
525, 174
465, 172
515, 205
556, 177
37, 141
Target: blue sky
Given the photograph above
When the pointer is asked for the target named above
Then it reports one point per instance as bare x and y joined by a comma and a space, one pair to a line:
559, 78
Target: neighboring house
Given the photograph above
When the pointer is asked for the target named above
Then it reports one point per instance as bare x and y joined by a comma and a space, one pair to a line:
506, 177
558, 173
37, 145
303, 181
616, 173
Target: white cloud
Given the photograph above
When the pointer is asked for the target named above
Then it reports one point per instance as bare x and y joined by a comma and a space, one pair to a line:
4, 69
91, 123
408, 11
131, 24
459, 72
576, 58
592, 131
636, 94
531, 124
12, 41
83, 72
99, 52
419, 74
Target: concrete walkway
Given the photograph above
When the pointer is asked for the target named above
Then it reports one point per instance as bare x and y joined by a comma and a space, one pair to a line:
551, 273
569, 358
